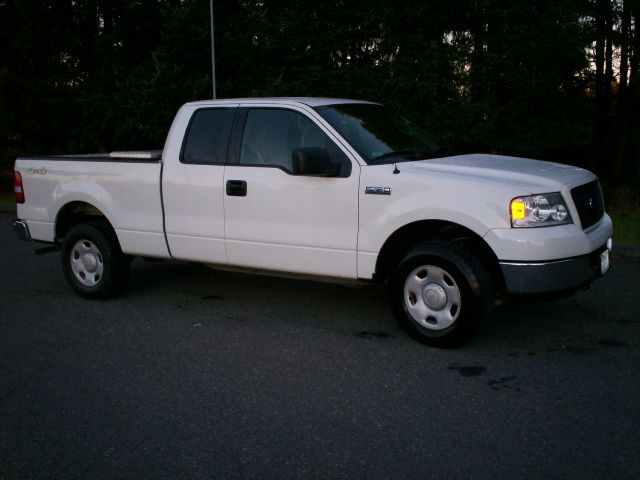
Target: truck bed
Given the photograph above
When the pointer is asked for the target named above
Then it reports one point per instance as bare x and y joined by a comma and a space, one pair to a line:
123, 186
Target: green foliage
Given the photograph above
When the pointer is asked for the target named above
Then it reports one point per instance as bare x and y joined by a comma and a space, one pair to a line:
626, 226
504, 76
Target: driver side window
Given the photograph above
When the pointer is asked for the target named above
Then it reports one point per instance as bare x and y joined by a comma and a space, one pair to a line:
271, 135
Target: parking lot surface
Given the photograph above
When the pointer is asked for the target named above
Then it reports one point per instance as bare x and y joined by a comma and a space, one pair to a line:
197, 373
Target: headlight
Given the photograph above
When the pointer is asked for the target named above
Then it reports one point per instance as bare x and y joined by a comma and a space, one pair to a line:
544, 210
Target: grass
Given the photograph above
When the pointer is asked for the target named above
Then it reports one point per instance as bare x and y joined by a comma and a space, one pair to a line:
626, 226
6, 187
623, 205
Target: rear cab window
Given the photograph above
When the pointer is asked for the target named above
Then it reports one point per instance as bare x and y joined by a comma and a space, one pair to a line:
207, 136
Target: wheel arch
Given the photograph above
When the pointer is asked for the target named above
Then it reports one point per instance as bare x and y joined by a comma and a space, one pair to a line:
74, 213
408, 236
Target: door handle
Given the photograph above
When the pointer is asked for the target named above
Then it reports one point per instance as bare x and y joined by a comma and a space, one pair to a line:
236, 188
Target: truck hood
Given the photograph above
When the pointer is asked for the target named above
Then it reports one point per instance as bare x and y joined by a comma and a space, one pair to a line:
526, 175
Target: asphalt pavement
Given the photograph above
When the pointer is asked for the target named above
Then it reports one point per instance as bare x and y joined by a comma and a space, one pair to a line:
196, 373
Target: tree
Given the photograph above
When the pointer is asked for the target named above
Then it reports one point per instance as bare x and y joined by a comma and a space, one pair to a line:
505, 76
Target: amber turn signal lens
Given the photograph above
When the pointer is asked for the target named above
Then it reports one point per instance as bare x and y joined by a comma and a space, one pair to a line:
518, 210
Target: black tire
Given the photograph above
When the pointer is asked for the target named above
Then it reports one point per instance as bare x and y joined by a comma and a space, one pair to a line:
439, 292
92, 261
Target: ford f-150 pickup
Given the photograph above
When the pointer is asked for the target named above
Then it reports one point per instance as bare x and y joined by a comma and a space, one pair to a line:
337, 189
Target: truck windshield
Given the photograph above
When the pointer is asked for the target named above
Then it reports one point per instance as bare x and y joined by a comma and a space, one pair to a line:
379, 135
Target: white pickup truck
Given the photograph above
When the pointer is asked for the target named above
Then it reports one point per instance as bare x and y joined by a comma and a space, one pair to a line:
337, 189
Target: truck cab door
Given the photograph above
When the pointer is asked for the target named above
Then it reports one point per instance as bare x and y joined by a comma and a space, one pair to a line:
281, 214
192, 184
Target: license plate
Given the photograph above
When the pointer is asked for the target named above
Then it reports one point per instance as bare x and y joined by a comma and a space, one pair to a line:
604, 262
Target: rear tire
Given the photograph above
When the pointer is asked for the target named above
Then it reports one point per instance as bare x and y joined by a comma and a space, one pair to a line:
439, 292
92, 261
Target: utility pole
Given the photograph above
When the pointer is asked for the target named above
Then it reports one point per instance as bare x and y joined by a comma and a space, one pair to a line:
213, 53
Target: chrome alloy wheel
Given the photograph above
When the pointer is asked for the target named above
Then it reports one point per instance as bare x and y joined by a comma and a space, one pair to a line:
432, 297
86, 263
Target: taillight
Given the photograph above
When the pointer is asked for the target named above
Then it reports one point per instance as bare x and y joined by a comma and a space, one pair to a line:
17, 187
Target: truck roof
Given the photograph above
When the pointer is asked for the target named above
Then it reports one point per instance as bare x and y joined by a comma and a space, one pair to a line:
309, 101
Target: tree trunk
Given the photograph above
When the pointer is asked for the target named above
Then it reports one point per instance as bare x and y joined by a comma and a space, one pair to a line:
624, 110
628, 169
600, 126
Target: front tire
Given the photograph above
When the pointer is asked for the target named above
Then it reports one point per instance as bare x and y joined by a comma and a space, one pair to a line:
439, 292
92, 261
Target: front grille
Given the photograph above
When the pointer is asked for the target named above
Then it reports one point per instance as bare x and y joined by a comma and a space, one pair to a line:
589, 203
